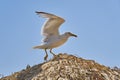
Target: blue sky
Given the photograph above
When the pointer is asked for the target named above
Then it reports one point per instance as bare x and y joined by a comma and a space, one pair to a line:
96, 22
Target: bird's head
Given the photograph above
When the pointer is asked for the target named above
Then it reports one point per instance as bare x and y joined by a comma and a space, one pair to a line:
70, 34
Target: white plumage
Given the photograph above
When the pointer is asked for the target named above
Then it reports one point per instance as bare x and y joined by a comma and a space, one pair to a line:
50, 31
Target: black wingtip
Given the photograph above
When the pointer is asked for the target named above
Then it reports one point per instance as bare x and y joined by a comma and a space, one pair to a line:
36, 11
39, 12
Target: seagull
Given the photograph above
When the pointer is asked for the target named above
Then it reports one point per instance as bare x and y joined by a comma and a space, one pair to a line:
50, 32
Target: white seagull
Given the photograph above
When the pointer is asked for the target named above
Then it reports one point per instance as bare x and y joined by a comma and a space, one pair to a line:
50, 31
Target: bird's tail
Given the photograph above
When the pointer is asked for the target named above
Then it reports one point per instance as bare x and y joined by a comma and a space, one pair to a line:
37, 47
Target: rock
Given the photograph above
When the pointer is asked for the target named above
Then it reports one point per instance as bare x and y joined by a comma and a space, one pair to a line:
66, 67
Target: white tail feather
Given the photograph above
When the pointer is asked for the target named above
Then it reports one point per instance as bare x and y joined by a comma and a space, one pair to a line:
37, 47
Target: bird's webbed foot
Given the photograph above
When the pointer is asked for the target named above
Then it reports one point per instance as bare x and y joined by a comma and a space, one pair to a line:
45, 58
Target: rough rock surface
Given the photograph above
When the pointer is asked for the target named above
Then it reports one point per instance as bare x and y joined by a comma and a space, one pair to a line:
66, 67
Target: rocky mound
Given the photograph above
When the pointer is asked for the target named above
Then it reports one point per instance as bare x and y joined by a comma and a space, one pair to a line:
66, 67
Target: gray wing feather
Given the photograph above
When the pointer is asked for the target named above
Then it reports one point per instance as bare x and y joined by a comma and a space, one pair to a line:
52, 24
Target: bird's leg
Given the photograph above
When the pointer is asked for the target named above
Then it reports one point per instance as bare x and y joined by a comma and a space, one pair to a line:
52, 52
46, 56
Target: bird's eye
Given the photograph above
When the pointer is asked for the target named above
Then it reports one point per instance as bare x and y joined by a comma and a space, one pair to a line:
69, 33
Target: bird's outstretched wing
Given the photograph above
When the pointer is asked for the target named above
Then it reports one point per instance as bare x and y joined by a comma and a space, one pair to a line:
52, 24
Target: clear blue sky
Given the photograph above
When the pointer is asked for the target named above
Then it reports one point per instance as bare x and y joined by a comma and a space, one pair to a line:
96, 22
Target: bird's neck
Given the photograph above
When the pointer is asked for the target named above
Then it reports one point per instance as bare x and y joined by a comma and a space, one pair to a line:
64, 36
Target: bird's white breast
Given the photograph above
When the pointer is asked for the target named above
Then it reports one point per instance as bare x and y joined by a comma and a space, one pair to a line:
55, 41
